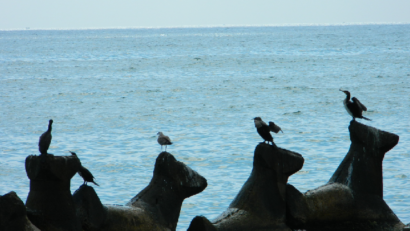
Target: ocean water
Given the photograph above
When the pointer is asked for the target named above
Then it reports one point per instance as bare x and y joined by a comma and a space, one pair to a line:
110, 91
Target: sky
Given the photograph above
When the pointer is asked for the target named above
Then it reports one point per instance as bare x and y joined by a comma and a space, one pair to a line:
79, 14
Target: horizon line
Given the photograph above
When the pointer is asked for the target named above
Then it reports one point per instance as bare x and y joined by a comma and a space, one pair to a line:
214, 26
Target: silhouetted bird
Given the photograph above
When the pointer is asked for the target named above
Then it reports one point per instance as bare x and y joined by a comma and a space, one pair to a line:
163, 140
355, 108
274, 128
263, 129
45, 139
85, 173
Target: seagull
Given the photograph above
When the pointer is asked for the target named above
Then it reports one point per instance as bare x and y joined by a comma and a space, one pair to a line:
354, 108
163, 140
85, 173
263, 129
274, 128
45, 140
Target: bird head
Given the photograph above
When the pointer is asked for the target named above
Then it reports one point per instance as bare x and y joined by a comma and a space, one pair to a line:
346, 92
50, 122
257, 119
159, 134
73, 153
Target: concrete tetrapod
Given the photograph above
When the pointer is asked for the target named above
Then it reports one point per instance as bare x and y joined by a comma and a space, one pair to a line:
353, 197
157, 207
49, 202
261, 203
13, 214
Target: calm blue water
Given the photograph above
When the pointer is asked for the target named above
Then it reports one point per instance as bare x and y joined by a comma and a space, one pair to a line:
110, 91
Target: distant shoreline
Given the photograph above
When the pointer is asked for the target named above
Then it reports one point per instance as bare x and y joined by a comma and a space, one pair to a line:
215, 26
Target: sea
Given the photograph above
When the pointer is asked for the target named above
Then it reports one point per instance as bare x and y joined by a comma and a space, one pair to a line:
110, 91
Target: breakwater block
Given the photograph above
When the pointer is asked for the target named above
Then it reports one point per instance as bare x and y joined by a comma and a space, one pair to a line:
13, 214
89, 209
353, 197
261, 203
49, 201
156, 207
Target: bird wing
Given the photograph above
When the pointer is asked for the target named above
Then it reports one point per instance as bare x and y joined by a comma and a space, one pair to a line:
168, 140
274, 128
360, 105
164, 140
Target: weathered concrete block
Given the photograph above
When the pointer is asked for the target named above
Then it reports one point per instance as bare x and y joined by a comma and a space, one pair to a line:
296, 208
353, 197
155, 208
362, 168
89, 209
49, 200
261, 203
13, 215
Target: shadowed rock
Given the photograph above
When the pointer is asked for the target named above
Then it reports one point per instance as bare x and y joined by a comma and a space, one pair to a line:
49, 201
200, 223
157, 207
261, 203
362, 168
353, 197
90, 211
13, 215
296, 208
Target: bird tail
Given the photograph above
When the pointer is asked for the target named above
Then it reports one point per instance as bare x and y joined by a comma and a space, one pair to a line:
366, 118
96, 183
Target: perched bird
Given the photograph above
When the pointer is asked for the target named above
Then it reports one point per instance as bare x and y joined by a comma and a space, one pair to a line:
274, 128
85, 173
45, 139
354, 107
163, 140
263, 129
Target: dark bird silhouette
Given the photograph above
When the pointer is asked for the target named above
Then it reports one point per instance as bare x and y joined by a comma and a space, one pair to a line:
85, 173
355, 108
274, 128
263, 129
45, 139
163, 140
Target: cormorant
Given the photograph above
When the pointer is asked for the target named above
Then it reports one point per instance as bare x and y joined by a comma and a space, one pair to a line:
45, 139
274, 128
354, 108
163, 140
85, 173
263, 129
